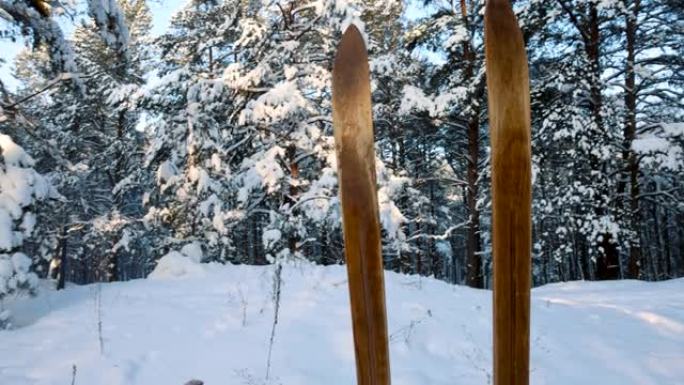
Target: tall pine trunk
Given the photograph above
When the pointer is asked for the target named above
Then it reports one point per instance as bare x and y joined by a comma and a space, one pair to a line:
608, 264
629, 156
473, 257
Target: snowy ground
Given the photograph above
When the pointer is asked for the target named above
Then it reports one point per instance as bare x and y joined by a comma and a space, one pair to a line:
214, 324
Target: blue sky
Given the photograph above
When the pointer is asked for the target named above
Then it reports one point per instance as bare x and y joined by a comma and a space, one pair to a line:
162, 10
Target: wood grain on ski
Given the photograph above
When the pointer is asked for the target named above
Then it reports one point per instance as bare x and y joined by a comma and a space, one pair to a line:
352, 120
509, 124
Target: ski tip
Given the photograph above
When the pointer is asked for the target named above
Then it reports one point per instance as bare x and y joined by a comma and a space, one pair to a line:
498, 3
499, 11
352, 41
351, 48
502, 33
352, 30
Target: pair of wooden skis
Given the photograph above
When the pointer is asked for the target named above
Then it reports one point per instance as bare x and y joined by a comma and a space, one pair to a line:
509, 121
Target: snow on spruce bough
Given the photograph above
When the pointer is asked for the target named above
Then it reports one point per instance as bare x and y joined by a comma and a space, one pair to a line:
509, 112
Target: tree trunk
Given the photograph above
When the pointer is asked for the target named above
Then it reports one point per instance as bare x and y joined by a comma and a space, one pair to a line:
665, 261
473, 257
607, 264
629, 156
658, 238
61, 281
113, 267
291, 154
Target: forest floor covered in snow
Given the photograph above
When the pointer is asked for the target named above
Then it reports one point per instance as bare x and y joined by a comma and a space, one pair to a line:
213, 323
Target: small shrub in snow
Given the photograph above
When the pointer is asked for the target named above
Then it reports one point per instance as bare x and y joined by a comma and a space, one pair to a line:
5, 319
177, 265
193, 251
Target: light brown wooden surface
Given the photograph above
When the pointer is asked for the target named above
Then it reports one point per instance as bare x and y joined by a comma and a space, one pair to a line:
509, 119
42, 6
353, 125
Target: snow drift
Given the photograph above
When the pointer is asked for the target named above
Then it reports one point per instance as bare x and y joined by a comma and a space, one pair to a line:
213, 323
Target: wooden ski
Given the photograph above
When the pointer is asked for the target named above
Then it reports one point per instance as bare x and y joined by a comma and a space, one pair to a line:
509, 125
352, 120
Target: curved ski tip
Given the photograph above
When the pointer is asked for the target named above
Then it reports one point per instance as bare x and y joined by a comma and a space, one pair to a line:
501, 25
352, 29
352, 34
350, 67
498, 4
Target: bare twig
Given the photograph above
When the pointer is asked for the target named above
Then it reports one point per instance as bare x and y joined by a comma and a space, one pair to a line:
52, 83
99, 317
277, 280
243, 303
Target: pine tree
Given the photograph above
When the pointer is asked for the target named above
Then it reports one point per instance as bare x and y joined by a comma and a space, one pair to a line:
252, 119
458, 84
86, 138
21, 191
193, 142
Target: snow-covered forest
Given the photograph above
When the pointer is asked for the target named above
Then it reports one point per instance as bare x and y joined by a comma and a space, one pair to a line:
214, 138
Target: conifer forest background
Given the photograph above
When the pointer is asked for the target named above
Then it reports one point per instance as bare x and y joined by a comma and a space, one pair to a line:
215, 137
